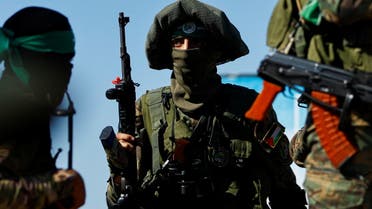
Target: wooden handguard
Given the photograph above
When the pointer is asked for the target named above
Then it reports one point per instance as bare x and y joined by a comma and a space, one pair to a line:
335, 143
263, 101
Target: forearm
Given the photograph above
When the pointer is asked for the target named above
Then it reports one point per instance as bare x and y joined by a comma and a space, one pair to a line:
36, 192
63, 187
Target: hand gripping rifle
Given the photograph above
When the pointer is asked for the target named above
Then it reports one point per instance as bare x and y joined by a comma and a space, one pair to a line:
322, 84
124, 93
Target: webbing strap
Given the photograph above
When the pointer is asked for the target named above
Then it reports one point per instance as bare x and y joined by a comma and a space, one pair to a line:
158, 123
155, 151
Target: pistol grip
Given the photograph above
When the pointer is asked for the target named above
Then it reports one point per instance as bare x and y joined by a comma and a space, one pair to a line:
263, 101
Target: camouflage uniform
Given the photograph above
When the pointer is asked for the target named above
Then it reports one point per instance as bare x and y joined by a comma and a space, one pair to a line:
338, 36
353, 190
205, 153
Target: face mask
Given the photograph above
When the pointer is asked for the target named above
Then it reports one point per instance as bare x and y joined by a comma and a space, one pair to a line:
49, 76
194, 80
194, 68
39, 62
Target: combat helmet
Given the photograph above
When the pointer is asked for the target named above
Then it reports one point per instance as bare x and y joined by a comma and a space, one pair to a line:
226, 36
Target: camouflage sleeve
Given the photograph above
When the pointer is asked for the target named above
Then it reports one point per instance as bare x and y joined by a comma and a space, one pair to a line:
22, 193
346, 11
41, 191
298, 149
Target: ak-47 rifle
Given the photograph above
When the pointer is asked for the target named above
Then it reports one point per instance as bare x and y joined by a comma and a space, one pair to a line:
124, 93
77, 198
69, 112
322, 85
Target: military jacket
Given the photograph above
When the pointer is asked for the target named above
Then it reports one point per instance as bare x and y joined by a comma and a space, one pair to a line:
220, 161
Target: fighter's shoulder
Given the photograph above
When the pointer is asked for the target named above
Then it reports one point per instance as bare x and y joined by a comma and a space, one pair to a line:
234, 90
237, 98
156, 93
154, 96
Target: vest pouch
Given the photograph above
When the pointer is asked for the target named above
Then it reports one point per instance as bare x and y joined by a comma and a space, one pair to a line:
154, 106
241, 151
282, 26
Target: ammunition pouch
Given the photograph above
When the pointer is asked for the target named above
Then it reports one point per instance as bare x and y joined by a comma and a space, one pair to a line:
178, 183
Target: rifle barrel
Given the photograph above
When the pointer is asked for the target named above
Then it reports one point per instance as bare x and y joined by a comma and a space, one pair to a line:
123, 48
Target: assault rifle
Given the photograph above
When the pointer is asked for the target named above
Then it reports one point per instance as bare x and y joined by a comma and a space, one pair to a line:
124, 93
322, 85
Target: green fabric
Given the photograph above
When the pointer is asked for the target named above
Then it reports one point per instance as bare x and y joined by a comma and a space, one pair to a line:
228, 39
347, 57
284, 27
325, 185
280, 24
195, 78
330, 5
56, 41
301, 42
246, 183
311, 12
154, 112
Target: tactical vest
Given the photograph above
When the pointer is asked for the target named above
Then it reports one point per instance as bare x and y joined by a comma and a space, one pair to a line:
228, 141
163, 122
157, 109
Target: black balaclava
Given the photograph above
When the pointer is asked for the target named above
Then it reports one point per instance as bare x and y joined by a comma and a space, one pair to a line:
194, 80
